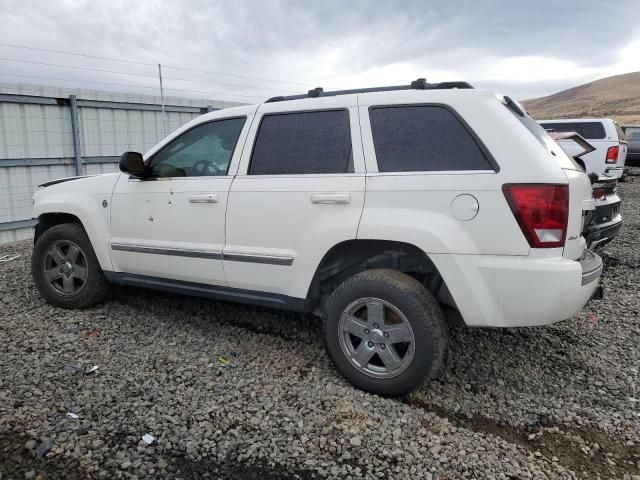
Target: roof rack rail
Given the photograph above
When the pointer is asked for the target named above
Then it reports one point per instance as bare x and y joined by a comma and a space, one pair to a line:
419, 84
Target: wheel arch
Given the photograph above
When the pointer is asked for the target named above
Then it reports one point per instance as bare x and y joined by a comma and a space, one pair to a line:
51, 219
93, 221
350, 257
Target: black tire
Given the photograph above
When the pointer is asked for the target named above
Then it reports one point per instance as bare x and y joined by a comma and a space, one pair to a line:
93, 289
419, 308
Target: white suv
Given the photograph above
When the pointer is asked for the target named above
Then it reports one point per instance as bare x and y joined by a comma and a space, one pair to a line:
604, 134
377, 209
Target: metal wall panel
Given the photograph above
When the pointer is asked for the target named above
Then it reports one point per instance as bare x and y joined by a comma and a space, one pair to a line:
17, 185
98, 168
42, 134
15, 235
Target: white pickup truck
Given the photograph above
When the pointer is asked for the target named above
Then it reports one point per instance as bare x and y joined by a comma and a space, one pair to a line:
376, 209
604, 134
603, 224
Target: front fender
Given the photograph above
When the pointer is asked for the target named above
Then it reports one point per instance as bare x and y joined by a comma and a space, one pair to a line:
84, 199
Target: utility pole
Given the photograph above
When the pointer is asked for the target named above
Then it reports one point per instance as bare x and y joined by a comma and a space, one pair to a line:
164, 115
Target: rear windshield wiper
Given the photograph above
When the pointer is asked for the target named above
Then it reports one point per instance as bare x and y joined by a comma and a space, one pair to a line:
514, 106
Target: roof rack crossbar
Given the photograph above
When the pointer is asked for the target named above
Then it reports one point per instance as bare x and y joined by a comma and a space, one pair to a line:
419, 84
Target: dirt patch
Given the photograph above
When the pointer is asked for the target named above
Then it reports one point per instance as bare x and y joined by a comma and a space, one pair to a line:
587, 451
16, 460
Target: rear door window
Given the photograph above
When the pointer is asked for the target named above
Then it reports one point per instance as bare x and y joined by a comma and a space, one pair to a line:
422, 138
297, 143
588, 130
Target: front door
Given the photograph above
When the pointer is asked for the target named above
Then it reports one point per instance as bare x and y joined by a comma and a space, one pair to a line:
172, 225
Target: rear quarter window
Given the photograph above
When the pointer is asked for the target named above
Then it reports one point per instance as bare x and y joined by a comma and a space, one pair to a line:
424, 138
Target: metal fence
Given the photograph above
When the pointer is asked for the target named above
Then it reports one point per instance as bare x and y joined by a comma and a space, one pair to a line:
48, 133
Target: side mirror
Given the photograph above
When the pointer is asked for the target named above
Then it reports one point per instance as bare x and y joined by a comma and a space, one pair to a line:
133, 164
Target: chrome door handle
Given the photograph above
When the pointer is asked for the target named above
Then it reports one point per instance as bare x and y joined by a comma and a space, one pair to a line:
327, 198
204, 198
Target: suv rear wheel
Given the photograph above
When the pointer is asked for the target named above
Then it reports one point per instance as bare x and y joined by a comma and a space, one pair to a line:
65, 268
385, 332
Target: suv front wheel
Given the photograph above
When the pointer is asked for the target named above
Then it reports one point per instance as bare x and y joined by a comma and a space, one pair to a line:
65, 268
385, 332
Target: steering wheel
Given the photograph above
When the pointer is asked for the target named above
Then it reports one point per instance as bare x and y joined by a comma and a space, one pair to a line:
206, 167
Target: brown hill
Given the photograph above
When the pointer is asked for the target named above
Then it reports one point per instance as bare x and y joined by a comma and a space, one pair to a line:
616, 97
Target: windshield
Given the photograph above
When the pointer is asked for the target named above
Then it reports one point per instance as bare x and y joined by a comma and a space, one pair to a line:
630, 130
590, 130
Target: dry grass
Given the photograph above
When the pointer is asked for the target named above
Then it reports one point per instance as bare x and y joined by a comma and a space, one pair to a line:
615, 97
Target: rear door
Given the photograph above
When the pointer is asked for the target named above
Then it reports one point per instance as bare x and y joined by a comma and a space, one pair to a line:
299, 191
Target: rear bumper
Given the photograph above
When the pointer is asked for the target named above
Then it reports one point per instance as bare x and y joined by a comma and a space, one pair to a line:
591, 265
615, 171
514, 291
604, 232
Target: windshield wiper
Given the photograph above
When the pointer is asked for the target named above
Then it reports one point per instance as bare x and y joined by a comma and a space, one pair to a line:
514, 106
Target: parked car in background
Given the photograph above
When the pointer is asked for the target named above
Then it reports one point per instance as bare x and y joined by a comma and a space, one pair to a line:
630, 128
374, 209
604, 134
633, 148
602, 224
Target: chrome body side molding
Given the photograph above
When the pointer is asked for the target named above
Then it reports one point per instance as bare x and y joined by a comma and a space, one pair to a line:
208, 254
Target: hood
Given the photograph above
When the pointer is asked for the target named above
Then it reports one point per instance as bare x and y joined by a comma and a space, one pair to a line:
92, 184
62, 180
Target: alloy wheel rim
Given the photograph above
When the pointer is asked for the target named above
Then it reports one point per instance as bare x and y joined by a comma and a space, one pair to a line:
376, 337
64, 268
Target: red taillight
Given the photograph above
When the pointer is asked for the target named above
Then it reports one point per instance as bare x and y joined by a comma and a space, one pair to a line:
612, 154
542, 211
599, 193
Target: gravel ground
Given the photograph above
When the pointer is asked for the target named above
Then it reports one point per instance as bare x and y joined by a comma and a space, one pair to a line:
230, 391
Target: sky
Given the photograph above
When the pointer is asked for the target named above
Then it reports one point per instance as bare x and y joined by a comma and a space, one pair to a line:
253, 50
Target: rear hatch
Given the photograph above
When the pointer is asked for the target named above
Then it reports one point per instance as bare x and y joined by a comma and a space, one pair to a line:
580, 192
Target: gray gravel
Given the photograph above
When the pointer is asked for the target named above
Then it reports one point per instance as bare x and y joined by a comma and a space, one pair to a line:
230, 391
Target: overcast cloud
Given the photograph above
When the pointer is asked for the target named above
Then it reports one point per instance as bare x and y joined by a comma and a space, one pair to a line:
523, 48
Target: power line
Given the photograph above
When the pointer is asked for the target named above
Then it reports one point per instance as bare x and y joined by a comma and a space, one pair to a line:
153, 64
306, 85
130, 85
228, 84
75, 54
77, 67
143, 75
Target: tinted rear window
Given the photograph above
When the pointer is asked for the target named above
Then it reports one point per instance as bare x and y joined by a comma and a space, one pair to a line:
303, 143
423, 138
589, 130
